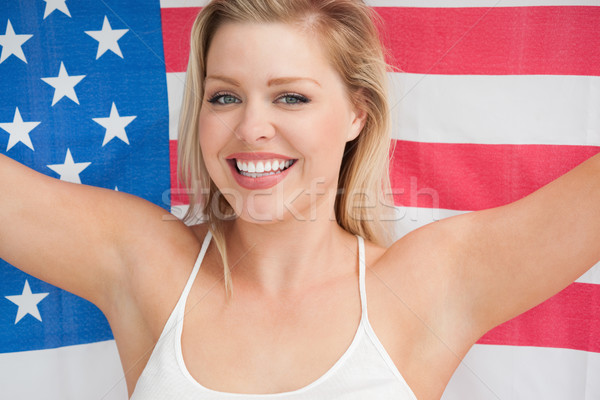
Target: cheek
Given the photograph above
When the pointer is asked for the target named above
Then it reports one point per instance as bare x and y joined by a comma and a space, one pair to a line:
322, 141
213, 131
334, 129
211, 140
205, 129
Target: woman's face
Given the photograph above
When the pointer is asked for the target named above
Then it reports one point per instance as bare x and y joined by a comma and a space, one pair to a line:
274, 121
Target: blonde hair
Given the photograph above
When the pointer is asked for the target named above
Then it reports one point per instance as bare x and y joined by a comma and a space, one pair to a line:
347, 30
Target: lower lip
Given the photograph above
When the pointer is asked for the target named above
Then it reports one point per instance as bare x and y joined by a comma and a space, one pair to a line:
264, 182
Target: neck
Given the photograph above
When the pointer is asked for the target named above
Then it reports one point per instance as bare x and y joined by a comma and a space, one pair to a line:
289, 255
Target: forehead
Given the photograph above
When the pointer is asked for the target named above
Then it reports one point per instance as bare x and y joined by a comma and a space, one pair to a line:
263, 51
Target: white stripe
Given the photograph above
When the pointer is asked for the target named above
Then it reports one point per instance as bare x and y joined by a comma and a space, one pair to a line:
90, 371
591, 276
484, 109
507, 109
408, 219
182, 3
479, 3
525, 373
175, 86
179, 211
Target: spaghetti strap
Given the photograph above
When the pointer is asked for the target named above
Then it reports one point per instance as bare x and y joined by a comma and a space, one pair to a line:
178, 311
190, 282
361, 276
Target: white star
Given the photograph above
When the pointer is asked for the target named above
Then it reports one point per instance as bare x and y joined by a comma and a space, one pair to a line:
27, 303
70, 170
11, 44
59, 5
19, 130
64, 85
115, 125
107, 38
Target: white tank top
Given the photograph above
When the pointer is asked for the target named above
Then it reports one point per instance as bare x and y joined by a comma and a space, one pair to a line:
364, 371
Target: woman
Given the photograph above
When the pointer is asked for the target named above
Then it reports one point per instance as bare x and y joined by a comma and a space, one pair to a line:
283, 147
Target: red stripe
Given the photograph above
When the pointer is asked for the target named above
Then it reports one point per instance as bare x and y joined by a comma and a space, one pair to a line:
476, 176
178, 193
494, 40
560, 40
177, 25
569, 320
461, 176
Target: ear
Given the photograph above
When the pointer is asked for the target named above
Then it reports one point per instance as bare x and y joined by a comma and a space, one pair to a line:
359, 118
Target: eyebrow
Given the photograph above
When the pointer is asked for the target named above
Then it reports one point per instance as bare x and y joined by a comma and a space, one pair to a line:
271, 82
223, 78
286, 80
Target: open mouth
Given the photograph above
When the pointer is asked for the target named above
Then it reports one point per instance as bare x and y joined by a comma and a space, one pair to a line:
261, 168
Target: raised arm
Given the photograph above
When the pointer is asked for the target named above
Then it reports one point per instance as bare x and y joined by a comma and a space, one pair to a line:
509, 259
74, 236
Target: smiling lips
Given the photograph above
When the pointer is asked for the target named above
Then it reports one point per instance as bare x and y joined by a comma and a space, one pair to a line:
259, 170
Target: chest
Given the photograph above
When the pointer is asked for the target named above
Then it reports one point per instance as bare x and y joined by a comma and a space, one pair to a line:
252, 346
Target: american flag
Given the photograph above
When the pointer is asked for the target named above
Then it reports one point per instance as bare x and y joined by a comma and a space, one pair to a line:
491, 100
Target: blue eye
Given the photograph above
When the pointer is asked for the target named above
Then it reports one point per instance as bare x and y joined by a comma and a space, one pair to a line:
292, 98
223, 99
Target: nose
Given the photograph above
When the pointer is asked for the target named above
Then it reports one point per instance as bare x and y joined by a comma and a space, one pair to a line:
255, 124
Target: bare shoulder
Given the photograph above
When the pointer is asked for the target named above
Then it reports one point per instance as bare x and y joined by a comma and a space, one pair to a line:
424, 252
160, 254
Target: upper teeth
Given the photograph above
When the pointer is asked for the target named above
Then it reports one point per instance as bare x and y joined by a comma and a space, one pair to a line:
263, 165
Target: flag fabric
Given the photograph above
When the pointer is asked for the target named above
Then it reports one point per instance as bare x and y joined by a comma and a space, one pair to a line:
491, 99
83, 98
